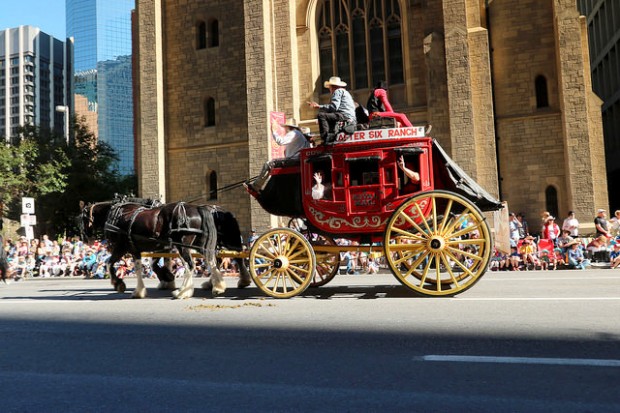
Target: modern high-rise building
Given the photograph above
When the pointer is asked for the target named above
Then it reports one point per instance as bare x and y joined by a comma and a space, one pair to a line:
101, 30
603, 17
35, 79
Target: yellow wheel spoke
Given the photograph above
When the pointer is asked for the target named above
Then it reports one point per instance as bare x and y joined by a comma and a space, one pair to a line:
276, 283
418, 236
434, 212
268, 254
295, 277
411, 221
421, 215
465, 253
446, 216
271, 272
458, 221
446, 263
299, 269
460, 264
471, 241
265, 257
465, 230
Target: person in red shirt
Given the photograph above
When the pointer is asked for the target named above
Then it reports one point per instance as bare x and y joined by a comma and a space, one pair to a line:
379, 105
551, 230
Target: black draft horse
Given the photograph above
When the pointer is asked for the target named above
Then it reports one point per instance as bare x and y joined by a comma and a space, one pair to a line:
135, 228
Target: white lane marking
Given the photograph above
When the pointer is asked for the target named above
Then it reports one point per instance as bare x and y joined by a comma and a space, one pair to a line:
521, 360
487, 277
535, 299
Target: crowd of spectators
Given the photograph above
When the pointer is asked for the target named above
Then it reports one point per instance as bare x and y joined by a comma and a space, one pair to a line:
555, 247
44, 258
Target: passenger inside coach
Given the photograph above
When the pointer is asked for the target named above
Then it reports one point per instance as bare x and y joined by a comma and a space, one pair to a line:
378, 105
411, 177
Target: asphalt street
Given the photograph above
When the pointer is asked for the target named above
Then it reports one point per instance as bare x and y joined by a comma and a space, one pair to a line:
544, 341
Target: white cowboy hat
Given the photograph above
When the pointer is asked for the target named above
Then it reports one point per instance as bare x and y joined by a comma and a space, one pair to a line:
334, 81
292, 123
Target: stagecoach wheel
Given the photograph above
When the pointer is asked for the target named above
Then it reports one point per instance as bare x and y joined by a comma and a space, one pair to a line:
298, 224
282, 263
437, 243
327, 263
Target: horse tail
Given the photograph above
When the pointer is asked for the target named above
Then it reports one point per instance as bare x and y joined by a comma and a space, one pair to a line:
209, 238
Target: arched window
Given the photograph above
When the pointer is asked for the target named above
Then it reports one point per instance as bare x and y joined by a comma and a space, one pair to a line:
209, 112
201, 35
542, 94
212, 185
551, 200
213, 38
360, 41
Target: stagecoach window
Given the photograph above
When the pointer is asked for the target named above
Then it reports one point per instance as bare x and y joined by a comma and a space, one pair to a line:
363, 171
360, 41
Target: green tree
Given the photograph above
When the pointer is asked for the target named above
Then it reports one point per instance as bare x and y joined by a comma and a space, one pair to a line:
40, 164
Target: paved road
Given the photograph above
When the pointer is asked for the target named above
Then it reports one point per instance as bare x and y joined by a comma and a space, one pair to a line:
516, 342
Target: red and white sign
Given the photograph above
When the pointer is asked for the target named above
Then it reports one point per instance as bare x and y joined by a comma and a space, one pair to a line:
374, 134
277, 151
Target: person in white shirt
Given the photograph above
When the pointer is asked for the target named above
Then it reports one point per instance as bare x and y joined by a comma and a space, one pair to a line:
288, 135
571, 224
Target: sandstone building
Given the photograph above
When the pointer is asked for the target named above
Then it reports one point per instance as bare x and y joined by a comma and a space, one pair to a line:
505, 85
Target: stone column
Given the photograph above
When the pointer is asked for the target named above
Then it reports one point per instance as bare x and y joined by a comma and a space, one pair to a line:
149, 101
581, 115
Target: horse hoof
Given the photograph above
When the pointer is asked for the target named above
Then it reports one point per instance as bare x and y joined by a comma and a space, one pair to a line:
217, 293
207, 285
182, 294
139, 293
166, 285
243, 284
120, 287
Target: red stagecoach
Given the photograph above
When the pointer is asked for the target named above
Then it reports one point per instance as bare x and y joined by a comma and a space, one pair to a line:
433, 234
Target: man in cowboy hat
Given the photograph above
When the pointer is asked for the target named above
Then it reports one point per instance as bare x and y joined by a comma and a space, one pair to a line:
340, 108
293, 141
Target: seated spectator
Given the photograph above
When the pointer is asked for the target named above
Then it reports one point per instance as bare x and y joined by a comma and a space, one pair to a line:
598, 249
564, 239
547, 260
528, 253
575, 256
514, 259
89, 262
614, 256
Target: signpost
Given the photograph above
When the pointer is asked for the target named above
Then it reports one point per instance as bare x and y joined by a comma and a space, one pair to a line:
26, 219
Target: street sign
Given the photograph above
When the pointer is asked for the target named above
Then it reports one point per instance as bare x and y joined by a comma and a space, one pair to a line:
27, 219
27, 205
29, 232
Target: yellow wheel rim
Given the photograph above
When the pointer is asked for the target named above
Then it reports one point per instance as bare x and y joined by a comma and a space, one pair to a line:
437, 243
282, 263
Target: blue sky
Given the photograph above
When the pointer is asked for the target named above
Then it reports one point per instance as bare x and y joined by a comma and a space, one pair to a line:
48, 15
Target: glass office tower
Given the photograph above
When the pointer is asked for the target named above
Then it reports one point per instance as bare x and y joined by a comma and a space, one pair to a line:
101, 30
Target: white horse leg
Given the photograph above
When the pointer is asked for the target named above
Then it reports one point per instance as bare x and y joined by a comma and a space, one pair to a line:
218, 285
187, 288
140, 290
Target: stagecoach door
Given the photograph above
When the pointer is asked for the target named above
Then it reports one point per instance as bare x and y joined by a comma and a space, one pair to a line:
365, 183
